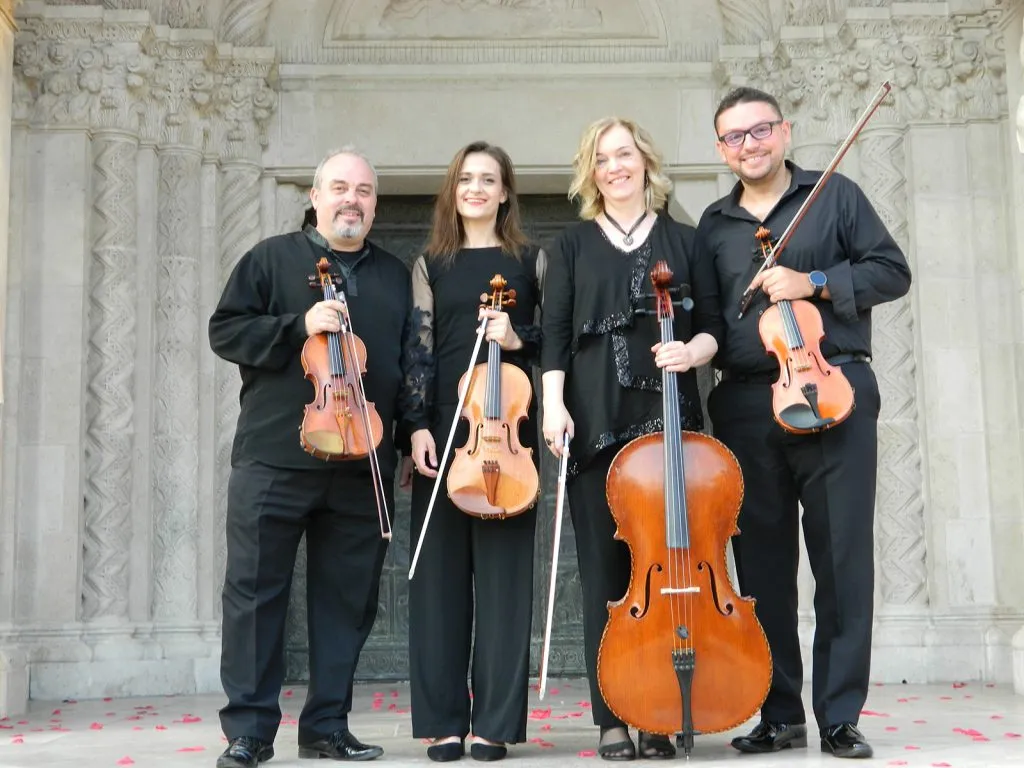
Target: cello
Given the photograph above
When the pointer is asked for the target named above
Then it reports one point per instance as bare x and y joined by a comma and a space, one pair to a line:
681, 653
810, 395
340, 424
495, 476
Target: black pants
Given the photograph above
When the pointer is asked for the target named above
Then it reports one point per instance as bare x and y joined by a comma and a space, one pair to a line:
268, 511
832, 474
463, 558
604, 565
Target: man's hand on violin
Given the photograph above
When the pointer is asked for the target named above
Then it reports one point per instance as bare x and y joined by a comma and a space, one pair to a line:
424, 453
323, 317
499, 329
783, 284
675, 356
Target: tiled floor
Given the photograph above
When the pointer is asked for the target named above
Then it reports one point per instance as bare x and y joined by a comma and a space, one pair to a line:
950, 726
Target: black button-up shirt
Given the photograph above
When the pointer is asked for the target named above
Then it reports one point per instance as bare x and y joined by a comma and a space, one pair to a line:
840, 235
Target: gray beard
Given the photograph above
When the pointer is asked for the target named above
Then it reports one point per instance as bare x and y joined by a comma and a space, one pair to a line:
350, 232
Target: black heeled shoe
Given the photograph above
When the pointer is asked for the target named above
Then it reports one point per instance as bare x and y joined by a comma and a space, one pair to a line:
447, 752
619, 750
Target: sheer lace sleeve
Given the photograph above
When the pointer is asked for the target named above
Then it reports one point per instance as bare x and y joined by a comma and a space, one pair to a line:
531, 335
419, 350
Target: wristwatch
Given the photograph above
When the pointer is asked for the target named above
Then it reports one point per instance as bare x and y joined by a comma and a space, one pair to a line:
818, 280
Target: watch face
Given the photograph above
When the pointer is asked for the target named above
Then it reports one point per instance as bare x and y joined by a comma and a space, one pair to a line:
818, 279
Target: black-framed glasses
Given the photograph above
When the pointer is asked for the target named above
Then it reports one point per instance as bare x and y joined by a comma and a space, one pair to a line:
760, 132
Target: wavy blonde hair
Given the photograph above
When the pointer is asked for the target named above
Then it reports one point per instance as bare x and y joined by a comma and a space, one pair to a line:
584, 188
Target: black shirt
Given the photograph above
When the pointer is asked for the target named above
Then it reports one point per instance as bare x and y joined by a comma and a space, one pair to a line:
260, 324
446, 302
840, 235
593, 333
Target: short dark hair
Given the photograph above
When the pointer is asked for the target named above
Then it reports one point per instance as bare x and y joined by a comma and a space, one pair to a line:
745, 95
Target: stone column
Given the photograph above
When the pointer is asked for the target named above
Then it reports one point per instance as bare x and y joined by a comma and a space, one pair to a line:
13, 666
1018, 638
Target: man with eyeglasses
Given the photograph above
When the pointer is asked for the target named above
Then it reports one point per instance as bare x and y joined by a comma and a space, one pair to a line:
843, 260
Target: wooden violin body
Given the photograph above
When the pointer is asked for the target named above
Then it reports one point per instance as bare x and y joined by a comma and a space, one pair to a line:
493, 475
810, 394
681, 652
339, 424
637, 659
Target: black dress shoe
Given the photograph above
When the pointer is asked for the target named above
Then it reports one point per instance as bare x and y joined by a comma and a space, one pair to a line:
771, 737
844, 740
340, 745
245, 752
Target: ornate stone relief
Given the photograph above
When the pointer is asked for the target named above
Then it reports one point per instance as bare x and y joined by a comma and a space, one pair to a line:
492, 19
244, 22
134, 76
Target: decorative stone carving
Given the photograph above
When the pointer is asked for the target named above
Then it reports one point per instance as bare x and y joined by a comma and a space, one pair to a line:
492, 19
181, 13
176, 388
746, 21
244, 22
132, 75
110, 367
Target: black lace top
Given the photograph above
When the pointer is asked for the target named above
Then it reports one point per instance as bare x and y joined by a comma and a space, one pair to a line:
446, 300
593, 334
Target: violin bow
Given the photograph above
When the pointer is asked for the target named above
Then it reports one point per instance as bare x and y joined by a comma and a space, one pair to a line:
563, 464
448, 446
378, 481
774, 251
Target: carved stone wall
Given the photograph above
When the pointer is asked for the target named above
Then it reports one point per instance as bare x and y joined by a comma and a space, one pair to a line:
150, 111
156, 132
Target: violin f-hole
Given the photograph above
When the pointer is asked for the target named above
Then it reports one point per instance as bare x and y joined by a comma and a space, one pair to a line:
726, 608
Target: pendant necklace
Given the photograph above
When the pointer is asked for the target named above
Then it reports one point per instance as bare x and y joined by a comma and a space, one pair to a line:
627, 236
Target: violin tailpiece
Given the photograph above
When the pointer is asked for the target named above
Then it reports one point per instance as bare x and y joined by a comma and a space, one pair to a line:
491, 471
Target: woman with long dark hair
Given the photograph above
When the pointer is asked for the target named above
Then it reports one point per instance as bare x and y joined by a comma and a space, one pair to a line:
474, 576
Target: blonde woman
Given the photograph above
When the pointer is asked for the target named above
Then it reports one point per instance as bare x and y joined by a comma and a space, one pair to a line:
602, 364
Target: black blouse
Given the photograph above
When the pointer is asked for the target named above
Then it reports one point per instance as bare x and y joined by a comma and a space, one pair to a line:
592, 332
446, 300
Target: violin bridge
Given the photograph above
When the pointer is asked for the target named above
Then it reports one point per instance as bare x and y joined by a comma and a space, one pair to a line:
492, 471
678, 591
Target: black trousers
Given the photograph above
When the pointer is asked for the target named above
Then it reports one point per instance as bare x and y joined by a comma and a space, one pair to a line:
472, 574
268, 511
604, 565
832, 474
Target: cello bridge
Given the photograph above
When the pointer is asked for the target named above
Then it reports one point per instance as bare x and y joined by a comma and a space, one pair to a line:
680, 590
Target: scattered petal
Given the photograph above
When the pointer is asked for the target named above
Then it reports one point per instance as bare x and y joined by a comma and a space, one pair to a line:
546, 727
869, 713
289, 693
1012, 735
554, 692
126, 761
161, 727
190, 719
997, 717
192, 749
586, 753
911, 746
891, 728
540, 714
959, 685
920, 722
394, 694
55, 712
897, 762
942, 765
17, 740
96, 726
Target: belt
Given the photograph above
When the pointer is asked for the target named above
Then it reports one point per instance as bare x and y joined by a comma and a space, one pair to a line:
765, 377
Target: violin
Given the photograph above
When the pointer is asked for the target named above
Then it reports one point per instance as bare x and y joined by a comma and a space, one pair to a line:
340, 424
681, 653
493, 475
810, 394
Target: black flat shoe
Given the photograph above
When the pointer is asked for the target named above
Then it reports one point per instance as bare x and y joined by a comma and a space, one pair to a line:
340, 745
772, 737
245, 752
447, 752
844, 740
619, 750
487, 752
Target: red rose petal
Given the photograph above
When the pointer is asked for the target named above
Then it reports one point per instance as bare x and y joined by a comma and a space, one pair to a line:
126, 761
546, 727
540, 714
891, 728
191, 719
192, 749
869, 713
17, 740
96, 726
1012, 735
586, 753
554, 692
911, 746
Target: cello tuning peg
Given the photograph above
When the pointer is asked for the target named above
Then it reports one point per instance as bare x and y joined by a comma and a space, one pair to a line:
686, 303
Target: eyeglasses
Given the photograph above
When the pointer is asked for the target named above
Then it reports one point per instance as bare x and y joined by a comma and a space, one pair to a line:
760, 132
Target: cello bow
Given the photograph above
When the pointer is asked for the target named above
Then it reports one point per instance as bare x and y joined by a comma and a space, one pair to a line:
563, 465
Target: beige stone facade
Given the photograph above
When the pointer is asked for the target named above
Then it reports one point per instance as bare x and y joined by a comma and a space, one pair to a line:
151, 142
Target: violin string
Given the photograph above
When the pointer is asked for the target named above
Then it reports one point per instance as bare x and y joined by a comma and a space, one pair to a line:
676, 561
